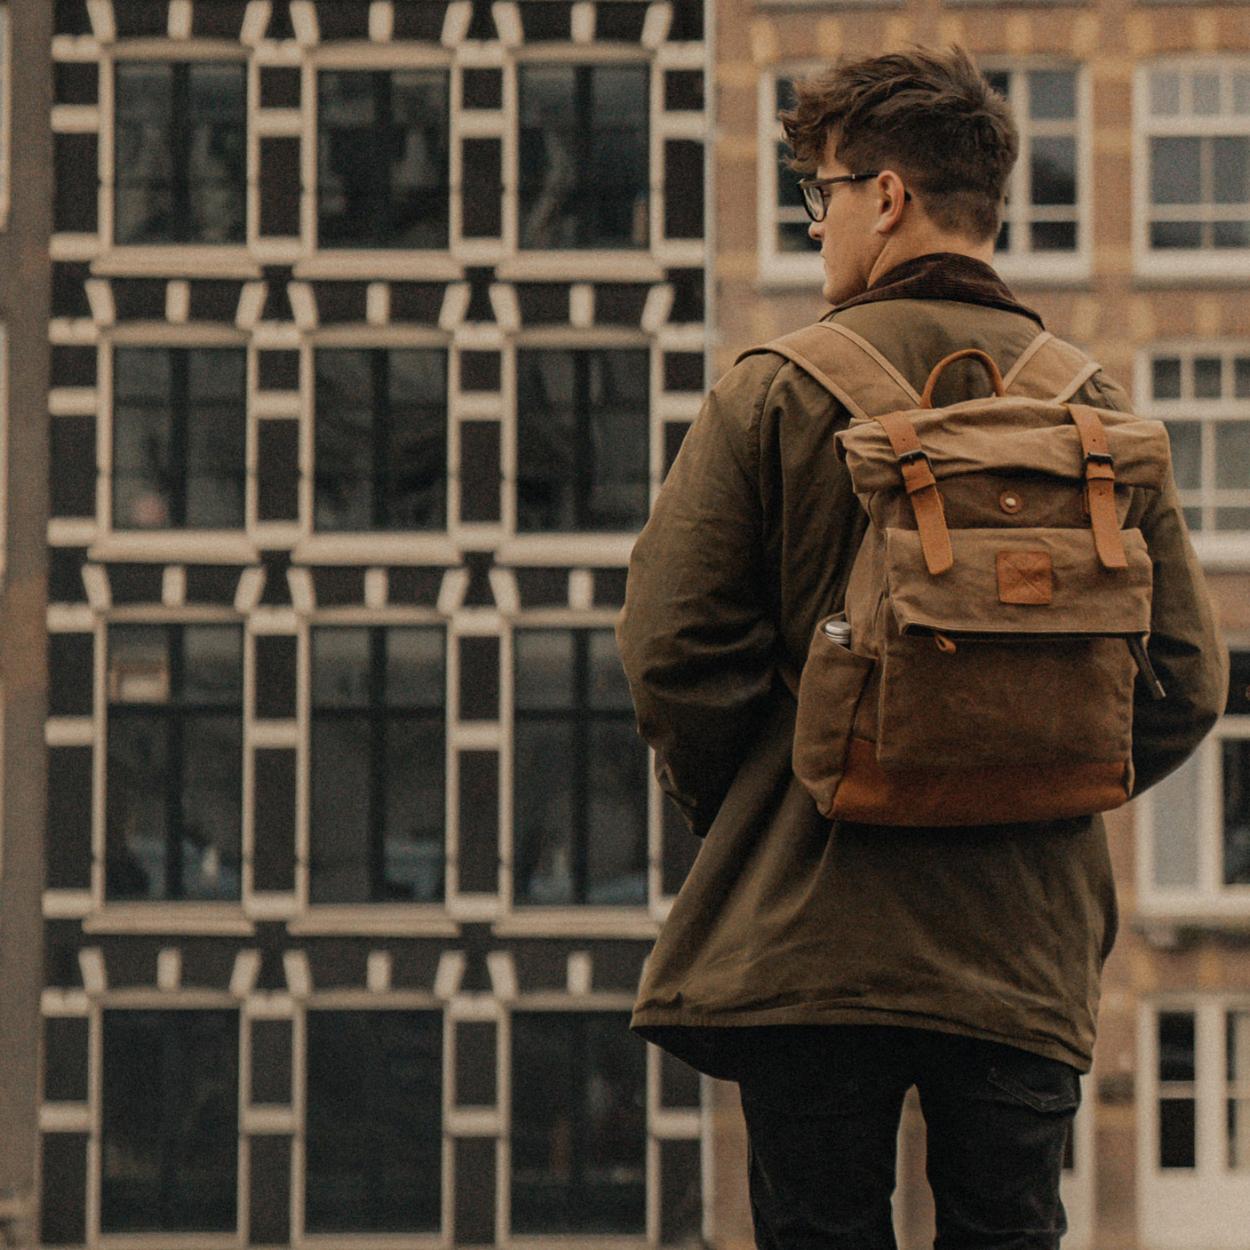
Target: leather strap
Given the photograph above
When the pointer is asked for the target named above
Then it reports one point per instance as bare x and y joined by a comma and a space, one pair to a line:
876, 357
840, 393
974, 353
922, 490
1099, 486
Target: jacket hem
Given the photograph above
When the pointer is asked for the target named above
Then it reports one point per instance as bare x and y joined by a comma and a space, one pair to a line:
702, 1039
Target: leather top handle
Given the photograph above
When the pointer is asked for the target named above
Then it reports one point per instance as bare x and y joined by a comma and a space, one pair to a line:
996, 378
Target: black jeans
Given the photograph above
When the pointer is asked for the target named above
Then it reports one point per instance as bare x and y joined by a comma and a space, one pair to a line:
822, 1105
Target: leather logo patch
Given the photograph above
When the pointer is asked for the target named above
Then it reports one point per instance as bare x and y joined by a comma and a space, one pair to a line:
1024, 577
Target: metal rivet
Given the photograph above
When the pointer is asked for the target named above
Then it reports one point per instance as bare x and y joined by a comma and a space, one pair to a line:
1010, 502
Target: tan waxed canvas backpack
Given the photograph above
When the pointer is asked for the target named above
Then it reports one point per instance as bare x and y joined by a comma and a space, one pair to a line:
997, 609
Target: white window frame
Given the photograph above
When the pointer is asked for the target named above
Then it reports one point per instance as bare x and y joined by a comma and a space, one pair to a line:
776, 268
1020, 263
1216, 548
1210, 901
6, 113
1206, 1207
1181, 265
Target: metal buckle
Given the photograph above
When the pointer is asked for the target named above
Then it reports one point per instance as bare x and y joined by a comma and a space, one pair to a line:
917, 453
1099, 457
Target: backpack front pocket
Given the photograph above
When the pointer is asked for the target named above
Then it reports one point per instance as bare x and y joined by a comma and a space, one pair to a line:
832, 684
1019, 654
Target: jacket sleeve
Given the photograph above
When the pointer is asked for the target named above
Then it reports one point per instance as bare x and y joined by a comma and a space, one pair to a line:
695, 635
1185, 649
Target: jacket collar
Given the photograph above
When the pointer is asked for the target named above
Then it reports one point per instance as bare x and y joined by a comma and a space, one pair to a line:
941, 275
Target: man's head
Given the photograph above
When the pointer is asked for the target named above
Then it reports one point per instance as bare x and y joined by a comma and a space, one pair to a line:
939, 141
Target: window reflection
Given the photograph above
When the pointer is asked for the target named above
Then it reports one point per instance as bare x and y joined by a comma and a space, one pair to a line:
580, 812
381, 439
169, 1137
383, 167
178, 438
582, 440
175, 747
584, 163
181, 145
378, 754
578, 1124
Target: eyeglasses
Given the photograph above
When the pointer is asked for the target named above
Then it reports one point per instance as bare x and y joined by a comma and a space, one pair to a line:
816, 198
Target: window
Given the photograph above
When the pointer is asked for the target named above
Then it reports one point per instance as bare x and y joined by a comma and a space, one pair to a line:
1196, 822
578, 1124
584, 167
1192, 1162
175, 750
787, 253
582, 439
179, 429
383, 166
377, 764
181, 145
374, 1122
1202, 394
169, 1137
381, 439
580, 809
1194, 165
1044, 214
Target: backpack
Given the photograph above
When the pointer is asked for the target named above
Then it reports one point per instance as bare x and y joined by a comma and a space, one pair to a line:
982, 668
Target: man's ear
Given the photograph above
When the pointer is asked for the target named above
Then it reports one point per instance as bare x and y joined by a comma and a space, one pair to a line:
891, 195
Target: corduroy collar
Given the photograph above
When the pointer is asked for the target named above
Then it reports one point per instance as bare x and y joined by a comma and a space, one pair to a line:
941, 275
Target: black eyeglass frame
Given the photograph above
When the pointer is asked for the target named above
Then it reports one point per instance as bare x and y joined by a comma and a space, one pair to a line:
816, 203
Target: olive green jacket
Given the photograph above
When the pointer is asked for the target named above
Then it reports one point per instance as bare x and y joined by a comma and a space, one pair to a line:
997, 932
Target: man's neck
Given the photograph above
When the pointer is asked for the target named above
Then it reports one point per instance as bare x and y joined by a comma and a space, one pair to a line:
898, 251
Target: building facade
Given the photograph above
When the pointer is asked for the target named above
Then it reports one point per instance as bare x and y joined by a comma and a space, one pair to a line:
1128, 229
372, 329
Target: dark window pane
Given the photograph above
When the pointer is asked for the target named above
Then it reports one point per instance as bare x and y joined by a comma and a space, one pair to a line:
1052, 93
617, 850
374, 1136
582, 433
1186, 440
578, 1124
480, 471
543, 811
383, 165
71, 662
63, 1186
1230, 167
1230, 234
280, 86
1176, 1133
169, 1137
381, 439
277, 472
1232, 454
67, 846
273, 859
584, 156
482, 89
279, 370
181, 152
1054, 170
1175, 234
1165, 377
483, 188
1208, 374
75, 205
1053, 236
275, 676
178, 437
683, 89
1176, 170
1235, 764
1176, 1046
378, 770
271, 1061
279, 186
1239, 684
65, 1059
683, 189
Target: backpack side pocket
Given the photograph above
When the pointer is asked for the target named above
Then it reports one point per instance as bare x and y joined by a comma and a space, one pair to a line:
832, 684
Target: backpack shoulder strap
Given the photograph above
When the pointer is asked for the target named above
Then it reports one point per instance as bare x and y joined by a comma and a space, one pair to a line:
858, 376
1049, 368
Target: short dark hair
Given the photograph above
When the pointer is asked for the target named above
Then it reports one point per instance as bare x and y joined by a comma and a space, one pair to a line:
929, 114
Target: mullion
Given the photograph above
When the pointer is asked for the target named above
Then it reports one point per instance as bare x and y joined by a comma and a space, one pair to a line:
179, 433
180, 164
583, 108
174, 779
380, 432
581, 767
377, 714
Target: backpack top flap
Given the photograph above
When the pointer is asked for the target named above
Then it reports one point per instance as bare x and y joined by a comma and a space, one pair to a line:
1007, 435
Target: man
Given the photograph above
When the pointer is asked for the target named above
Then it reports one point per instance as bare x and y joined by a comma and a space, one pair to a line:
827, 968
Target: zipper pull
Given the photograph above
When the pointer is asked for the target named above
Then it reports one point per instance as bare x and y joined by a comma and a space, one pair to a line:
1153, 684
